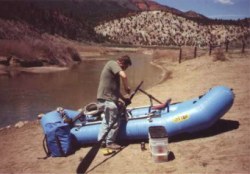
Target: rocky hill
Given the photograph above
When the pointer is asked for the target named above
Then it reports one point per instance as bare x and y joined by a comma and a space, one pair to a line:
74, 19
165, 28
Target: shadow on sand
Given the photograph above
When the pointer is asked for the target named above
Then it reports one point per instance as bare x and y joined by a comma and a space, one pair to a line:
219, 127
106, 159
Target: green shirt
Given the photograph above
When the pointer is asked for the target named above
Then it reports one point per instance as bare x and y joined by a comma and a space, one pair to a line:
109, 85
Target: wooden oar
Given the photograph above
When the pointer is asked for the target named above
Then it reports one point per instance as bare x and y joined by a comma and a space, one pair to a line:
150, 96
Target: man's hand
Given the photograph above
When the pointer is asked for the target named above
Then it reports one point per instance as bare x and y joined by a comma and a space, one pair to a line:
127, 90
127, 101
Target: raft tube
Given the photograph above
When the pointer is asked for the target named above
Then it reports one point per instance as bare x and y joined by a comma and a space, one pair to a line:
184, 117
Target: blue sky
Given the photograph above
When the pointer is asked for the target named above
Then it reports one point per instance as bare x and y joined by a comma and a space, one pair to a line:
220, 9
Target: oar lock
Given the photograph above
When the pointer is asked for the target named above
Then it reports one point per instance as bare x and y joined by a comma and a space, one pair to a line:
64, 116
150, 115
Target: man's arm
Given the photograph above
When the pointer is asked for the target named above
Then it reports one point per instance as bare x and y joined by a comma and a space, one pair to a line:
127, 101
125, 81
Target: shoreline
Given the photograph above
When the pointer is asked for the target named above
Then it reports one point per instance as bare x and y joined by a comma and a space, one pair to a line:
5, 70
165, 74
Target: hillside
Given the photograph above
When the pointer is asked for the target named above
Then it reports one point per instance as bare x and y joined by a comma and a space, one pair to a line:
22, 46
74, 19
166, 29
193, 14
44, 33
224, 148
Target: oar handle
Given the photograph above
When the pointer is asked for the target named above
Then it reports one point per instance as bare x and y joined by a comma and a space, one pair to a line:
135, 91
150, 96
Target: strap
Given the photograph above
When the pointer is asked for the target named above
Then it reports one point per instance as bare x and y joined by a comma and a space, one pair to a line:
45, 148
60, 146
79, 115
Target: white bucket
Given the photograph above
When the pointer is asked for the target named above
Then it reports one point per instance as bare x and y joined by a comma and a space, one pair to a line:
158, 146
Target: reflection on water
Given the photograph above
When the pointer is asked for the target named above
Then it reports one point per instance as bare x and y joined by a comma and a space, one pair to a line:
24, 96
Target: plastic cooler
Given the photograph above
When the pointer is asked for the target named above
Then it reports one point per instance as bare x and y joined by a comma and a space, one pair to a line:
158, 142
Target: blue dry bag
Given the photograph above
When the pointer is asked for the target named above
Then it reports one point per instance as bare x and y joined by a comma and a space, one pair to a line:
58, 139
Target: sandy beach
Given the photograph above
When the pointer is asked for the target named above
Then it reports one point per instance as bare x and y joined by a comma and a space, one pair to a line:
224, 148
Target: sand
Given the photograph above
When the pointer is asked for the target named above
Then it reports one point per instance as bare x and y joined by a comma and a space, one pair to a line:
224, 148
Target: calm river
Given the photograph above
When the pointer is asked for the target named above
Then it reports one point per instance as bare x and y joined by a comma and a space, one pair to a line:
25, 95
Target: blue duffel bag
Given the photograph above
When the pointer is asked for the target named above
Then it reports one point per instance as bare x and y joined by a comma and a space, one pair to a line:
58, 141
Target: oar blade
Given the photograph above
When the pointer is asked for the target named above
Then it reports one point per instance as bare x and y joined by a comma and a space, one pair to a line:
87, 160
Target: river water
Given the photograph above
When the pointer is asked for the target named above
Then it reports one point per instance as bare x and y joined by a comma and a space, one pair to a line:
24, 96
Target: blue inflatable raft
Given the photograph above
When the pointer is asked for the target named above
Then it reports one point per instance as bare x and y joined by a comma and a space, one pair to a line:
184, 117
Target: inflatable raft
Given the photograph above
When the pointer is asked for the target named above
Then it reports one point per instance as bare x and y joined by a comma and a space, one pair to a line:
184, 117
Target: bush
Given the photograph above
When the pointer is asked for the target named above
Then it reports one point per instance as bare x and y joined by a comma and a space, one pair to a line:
37, 52
219, 55
17, 48
74, 54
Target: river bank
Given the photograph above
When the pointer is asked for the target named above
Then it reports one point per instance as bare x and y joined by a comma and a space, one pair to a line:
223, 150
84, 52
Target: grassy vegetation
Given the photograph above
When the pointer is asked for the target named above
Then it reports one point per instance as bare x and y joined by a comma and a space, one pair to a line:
31, 52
